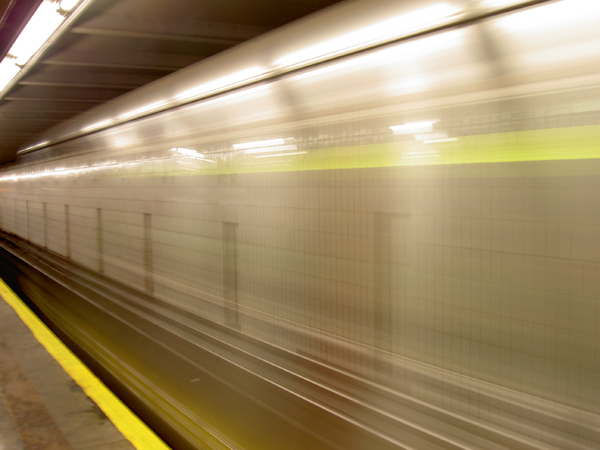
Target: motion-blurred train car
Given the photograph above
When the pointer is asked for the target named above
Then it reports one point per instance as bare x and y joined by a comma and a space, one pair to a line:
405, 194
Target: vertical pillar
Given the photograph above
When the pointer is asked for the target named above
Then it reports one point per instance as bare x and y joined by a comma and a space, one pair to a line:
99, 240
382, 280
45, 224
390, 287
27, 220
230, 273
148, 269
67, 239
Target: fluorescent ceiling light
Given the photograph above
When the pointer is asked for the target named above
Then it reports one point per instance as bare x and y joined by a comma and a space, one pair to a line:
256, 144
68, 5
192, 153
44, 22
186, 151
424, 126
401, 25
220, 83
40, 28
8, 70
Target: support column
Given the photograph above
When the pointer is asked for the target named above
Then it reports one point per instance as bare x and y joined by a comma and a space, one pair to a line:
148, 269
99, 240
27, 220
230, 281
67, 239
45, 224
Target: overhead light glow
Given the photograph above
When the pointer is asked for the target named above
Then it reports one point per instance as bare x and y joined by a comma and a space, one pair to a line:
554, 14
500, 3
435, 141
420, 155
8, 70
413, 49
44, 22
33, 147
186, 151
257, 144
401, 25
429, 136
68, 5
280, 154
220, 83
98, 125
424, 46
40, 28
143, 109
191, 153
424, 126
275, 148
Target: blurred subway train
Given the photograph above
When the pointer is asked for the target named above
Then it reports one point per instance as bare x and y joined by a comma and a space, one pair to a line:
375, 228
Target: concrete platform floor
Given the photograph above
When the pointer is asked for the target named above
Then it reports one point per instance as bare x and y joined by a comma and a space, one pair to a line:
41, 407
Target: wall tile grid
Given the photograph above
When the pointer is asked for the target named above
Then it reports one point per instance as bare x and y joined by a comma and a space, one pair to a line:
491, 272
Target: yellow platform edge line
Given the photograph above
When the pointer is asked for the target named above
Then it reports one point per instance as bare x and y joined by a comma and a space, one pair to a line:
132, 428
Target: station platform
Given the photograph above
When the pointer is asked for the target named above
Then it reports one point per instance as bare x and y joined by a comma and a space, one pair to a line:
42, 407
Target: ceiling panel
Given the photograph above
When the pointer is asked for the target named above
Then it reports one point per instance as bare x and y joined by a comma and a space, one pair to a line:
118, 45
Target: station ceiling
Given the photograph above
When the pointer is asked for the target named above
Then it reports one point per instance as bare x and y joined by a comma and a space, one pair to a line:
116, 46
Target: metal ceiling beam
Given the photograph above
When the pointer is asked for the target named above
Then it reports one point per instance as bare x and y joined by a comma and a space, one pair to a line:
168, 29
155, 36
6, 7
25, 114
124, 87
24, 123
48, 107
62, 93
122, 60
82, 79
40, 99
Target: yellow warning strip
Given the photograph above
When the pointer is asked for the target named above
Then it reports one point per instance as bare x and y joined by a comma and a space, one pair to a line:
134, 430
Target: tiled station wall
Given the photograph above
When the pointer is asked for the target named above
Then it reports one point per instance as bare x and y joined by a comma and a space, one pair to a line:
490, 271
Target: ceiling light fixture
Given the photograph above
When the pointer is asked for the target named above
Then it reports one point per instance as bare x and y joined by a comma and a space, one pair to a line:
423, 126
44, 22
8, 70
42, 26
68, 5
257, 144
186, 151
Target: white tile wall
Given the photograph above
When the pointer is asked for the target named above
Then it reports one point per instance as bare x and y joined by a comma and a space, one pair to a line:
489, 271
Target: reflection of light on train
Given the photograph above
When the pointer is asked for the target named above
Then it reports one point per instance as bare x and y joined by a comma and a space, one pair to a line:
404, 221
